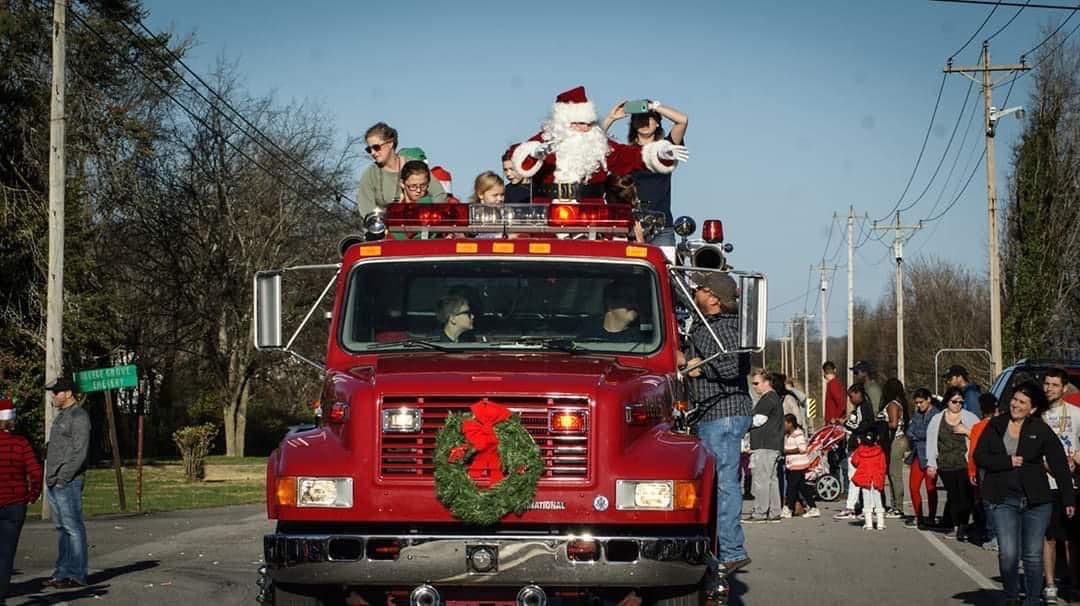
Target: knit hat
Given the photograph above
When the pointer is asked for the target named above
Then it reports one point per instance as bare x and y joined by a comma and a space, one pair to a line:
574, 106
413, 153
7, 409
442, 175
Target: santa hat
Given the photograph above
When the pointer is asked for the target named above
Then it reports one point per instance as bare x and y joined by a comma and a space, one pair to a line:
574, 106
7, 409
442, 175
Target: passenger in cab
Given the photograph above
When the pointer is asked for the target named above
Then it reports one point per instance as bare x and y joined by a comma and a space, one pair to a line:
488, 188
621, 311
456, 318
654, 188
379, 185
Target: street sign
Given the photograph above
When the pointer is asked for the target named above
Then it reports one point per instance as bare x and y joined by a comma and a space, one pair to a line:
101, 379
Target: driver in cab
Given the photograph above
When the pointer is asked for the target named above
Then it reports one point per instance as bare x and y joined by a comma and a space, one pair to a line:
621, 310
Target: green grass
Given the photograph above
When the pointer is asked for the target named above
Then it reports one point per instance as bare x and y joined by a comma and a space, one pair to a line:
229, 482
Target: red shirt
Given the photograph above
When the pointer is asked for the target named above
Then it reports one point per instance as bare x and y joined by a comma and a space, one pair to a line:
20, 473
973, 439
869, 462
835, 404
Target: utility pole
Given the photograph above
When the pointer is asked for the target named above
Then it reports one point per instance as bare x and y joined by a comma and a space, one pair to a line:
898, 251
824, 286
850, 292
991, 116
54, 310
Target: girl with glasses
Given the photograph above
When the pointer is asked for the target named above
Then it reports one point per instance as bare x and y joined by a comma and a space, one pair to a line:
946, 456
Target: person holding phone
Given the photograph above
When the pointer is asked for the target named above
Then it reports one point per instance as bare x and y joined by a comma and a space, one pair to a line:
646, 126
571, 157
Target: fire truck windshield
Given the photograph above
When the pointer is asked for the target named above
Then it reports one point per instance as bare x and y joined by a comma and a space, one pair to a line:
479, 304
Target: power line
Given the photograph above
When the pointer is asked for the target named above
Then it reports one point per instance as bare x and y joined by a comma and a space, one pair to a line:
224, 101
918, 160
956, 160
288, 162
1053, 33
976, 32
954, 200
1026, 4
1009, 22
192, 114
789, 301
944, 154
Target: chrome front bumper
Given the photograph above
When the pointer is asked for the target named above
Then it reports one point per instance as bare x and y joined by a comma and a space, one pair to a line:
622, 561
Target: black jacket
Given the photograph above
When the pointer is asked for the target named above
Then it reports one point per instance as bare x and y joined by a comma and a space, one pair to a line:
1037, 441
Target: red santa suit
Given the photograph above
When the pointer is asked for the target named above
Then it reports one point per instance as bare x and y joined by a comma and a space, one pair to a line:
577, 164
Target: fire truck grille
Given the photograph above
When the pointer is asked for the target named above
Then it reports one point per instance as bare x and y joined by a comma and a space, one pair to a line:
409, 455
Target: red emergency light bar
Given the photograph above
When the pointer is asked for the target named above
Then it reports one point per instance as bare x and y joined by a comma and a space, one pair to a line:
607, 218
590, 215
427, 215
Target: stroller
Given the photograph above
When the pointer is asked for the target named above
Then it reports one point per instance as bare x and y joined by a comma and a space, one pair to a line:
822, 475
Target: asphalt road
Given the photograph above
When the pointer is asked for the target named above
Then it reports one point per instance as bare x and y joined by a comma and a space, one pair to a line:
210, 557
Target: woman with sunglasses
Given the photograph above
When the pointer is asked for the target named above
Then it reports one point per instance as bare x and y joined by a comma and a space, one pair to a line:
1016, 450
379, 184
653, 188
946, 456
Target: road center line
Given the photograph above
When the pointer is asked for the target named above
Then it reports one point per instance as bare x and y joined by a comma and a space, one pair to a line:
964, 567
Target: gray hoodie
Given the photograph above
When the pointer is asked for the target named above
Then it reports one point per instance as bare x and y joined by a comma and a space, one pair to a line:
69, 441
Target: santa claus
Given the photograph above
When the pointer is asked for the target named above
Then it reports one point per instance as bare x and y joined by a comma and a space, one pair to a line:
570, 159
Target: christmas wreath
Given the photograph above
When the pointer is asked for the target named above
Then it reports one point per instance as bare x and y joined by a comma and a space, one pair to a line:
489, 446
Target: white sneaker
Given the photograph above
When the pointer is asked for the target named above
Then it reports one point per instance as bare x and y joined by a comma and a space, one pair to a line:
1050, 594
785, 513
812, 513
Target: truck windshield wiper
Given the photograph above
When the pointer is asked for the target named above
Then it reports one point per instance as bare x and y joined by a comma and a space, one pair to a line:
410, 343
569, 345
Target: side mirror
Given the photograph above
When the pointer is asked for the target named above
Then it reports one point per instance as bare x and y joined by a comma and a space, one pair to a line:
268, 310
753, 310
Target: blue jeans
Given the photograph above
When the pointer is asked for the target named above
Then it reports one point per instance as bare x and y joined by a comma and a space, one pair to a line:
723, 438
66, 505
11, 523
1020, 531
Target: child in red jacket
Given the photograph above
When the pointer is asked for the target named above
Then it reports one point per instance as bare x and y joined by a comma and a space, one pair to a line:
869, 462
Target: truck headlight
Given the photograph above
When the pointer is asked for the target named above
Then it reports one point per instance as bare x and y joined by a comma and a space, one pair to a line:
658, 495
324, 492
402, 420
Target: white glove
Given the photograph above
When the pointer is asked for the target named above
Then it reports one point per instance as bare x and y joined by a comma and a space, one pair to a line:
542, 150
654, 105
673, 152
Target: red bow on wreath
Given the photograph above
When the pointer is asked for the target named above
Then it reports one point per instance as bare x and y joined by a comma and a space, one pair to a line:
479, 431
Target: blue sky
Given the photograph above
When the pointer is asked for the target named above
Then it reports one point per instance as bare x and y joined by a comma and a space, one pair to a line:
797, 109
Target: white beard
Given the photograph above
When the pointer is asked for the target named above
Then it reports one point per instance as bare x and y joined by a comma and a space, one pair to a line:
577, 155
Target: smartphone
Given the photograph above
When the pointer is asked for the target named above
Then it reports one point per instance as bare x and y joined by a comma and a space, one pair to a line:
636, 107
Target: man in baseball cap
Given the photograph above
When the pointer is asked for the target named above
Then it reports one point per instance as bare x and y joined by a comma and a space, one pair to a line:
65, 473
957, 376
863, 373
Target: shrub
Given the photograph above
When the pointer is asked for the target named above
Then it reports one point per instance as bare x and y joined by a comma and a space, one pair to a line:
194, 443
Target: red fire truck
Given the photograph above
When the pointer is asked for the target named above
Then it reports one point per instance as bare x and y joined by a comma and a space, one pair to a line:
624, 499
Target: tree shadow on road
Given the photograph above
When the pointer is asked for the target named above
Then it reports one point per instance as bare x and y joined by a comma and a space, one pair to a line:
980, 597
33, 591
